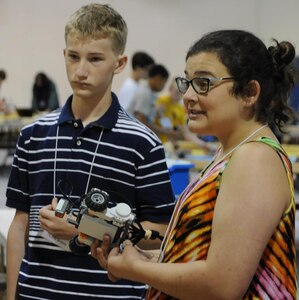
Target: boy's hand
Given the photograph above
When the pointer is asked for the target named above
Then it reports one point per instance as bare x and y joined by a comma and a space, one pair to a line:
59, 228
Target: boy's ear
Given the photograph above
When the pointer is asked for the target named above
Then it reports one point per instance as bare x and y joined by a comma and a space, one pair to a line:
121, 63
252, 92
64, 52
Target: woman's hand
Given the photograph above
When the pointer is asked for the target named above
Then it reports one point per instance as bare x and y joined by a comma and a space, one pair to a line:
101, 251
119, 262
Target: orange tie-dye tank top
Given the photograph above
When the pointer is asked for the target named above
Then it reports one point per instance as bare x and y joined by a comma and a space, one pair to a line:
189, 234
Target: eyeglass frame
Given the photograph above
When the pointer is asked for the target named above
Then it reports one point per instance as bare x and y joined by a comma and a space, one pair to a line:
207, 79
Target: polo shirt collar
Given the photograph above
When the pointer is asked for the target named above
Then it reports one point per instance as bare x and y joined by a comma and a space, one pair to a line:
108, 120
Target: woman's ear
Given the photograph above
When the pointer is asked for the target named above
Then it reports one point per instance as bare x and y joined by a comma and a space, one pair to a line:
121, 63
252, 92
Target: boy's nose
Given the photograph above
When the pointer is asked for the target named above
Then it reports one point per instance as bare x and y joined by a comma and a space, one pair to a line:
81, 70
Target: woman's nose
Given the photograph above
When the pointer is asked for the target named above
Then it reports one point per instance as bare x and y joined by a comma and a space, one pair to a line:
190, 95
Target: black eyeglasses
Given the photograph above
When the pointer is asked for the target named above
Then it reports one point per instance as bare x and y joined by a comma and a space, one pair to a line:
201, 85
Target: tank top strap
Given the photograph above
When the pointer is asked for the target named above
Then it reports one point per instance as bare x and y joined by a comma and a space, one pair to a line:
276, 146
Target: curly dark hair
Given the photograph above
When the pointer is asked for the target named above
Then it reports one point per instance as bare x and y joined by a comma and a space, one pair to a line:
2, 75
41, 87
247, 58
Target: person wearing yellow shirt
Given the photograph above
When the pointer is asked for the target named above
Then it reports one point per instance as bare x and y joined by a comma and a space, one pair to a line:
170, 114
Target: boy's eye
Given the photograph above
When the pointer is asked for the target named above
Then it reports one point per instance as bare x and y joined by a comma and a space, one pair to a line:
95, 59
73, 56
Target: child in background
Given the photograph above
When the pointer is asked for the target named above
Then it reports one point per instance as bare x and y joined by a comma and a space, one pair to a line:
141, 62
171, 114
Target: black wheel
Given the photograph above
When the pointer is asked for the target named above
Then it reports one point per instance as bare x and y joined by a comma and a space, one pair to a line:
97, 200
77, 248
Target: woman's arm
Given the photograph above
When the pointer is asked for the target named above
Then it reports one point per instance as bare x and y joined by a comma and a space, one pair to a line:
253, 196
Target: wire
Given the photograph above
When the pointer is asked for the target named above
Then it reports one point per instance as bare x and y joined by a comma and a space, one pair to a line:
137, 233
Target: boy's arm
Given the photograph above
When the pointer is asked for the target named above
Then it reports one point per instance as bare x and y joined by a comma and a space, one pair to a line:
16, 243
152, 244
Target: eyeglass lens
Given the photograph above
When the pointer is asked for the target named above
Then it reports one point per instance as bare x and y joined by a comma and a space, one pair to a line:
183, 85
200, 85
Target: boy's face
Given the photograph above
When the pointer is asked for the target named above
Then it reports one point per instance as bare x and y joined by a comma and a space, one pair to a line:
157, 83
91, 65
142, 72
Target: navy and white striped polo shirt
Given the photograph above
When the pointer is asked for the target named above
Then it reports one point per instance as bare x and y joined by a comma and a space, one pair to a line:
117, 154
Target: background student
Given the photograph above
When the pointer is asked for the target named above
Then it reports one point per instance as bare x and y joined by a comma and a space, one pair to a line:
170, 114
141, 62
44, 94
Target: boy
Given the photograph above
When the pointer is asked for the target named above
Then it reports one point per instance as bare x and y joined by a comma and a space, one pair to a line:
143, 103
141, 62
90, 142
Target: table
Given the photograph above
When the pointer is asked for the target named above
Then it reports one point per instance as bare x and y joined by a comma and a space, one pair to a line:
292, 134
200, 159
10, 127
6, 217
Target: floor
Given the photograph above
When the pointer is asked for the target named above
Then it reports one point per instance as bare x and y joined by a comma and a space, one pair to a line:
4, 173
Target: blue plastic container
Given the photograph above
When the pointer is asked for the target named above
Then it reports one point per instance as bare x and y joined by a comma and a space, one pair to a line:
179, 171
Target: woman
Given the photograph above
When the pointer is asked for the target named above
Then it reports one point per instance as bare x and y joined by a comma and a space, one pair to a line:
44, 94
232, 232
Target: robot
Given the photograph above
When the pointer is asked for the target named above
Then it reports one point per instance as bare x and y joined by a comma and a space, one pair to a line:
95, 219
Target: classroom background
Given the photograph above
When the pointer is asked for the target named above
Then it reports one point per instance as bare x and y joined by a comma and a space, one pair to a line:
32, 33
32, 41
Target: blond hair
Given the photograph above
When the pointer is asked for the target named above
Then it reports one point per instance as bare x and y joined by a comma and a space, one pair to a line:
98, 21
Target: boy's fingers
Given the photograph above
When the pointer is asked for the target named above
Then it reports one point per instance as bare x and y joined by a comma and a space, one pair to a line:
101, 258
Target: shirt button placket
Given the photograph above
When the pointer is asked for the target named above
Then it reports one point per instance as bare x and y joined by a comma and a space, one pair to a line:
78, 142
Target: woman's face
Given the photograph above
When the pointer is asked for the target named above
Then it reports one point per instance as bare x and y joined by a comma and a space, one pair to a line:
216, 111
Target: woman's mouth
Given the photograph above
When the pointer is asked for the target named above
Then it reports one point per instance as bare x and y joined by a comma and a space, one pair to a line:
192, 113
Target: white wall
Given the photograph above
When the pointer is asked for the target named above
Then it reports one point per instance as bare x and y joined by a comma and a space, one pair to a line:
32, 33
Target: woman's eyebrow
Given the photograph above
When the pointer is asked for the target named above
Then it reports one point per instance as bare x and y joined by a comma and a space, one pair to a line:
201, 73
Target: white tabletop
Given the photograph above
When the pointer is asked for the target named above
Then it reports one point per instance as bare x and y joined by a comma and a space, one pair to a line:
6, 216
